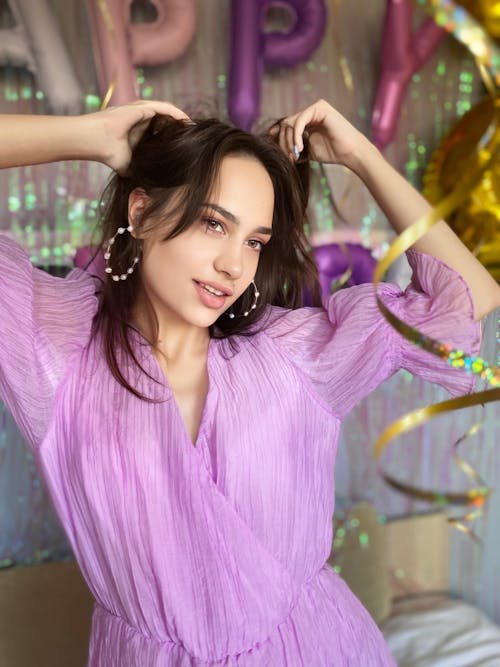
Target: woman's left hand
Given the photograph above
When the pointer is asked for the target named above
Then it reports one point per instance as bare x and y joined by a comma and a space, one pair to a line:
331, 137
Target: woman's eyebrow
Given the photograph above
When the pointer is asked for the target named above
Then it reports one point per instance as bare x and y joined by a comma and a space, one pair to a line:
232, 218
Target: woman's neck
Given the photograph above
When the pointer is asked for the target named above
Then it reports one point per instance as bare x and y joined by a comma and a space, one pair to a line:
173, 339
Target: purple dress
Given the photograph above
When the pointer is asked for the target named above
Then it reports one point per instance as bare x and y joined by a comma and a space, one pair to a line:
214, 554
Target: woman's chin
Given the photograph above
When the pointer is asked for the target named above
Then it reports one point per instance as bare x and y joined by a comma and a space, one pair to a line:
205, 320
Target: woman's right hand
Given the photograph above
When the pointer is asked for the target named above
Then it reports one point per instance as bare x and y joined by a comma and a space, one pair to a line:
118, 129
105, 136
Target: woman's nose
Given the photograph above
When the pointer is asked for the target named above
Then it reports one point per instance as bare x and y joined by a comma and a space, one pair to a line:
230, 260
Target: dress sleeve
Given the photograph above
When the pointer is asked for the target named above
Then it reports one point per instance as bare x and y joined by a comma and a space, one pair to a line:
347, 349
43, 321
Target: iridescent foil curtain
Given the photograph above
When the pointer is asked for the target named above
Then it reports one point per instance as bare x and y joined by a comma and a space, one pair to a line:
51, 209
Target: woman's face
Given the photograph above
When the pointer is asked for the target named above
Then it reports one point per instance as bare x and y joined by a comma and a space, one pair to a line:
196, 276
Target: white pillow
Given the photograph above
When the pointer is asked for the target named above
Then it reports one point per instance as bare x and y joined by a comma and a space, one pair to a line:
454, 634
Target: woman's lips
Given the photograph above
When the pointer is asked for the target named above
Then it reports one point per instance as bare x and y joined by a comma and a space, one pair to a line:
208, 299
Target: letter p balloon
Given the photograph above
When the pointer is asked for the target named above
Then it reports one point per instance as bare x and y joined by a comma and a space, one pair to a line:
252, 49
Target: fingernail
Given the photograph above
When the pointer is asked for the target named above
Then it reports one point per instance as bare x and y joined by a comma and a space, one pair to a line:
296, 151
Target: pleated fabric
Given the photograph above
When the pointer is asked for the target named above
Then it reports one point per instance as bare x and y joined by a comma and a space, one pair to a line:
213, 554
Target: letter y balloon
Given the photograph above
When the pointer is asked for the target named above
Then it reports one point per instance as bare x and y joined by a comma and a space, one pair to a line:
402, 54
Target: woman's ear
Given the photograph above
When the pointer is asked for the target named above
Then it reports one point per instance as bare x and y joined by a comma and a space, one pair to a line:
137, 201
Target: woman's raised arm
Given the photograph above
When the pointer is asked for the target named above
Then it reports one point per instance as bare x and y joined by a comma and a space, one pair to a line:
333, 139
104, 136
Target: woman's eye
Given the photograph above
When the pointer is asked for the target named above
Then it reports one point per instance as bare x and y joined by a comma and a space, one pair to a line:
257, 245
213, 225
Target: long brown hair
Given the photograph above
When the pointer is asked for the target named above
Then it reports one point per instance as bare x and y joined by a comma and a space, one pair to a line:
176, 157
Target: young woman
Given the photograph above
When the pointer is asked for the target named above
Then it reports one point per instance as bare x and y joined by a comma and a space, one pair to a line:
185, 412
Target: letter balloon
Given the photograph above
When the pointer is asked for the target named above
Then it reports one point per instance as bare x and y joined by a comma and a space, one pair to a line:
35, 42
120, 45
251, 49
403, 53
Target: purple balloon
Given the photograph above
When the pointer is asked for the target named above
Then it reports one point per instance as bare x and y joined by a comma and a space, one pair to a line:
91, 259
246, 65
293, 47
251, 49
333, 260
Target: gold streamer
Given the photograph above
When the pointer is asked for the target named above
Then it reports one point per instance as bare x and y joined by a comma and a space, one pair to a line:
475, 497
346, 73
335, 21
108, 21
109, 93
487, 79
459, 521
475, 365
421, 415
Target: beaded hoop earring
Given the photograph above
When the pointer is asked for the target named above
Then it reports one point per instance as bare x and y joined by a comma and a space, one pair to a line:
107, 256
256, 295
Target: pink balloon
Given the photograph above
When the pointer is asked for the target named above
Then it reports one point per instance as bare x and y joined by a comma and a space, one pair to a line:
35, 42
168, 37
120, 45
251, 49
403, 53
112, 54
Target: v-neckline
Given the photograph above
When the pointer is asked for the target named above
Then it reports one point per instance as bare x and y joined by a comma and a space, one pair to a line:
202, 424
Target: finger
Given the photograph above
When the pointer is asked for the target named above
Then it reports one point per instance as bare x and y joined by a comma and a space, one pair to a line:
153, 107
293, 145
290, 141
313, 115
301, 120
298, 139
282, 138
299, 127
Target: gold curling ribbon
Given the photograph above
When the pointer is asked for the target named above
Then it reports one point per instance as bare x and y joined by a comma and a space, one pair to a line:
335, 20
487, 79
109, 93
458, 522
475, 497
108, 21
475, 365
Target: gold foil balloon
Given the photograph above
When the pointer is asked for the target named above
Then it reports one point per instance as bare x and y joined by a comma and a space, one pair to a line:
477, 220
487, 12
469, 28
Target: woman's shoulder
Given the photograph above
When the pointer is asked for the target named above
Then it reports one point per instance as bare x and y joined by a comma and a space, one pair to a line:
14, 257
337, 309
56, 310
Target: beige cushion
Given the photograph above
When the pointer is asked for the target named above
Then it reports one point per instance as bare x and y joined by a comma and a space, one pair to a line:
45, 613
419, 553
362, 560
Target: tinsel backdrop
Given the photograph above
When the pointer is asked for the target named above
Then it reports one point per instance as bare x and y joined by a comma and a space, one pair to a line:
51, 210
